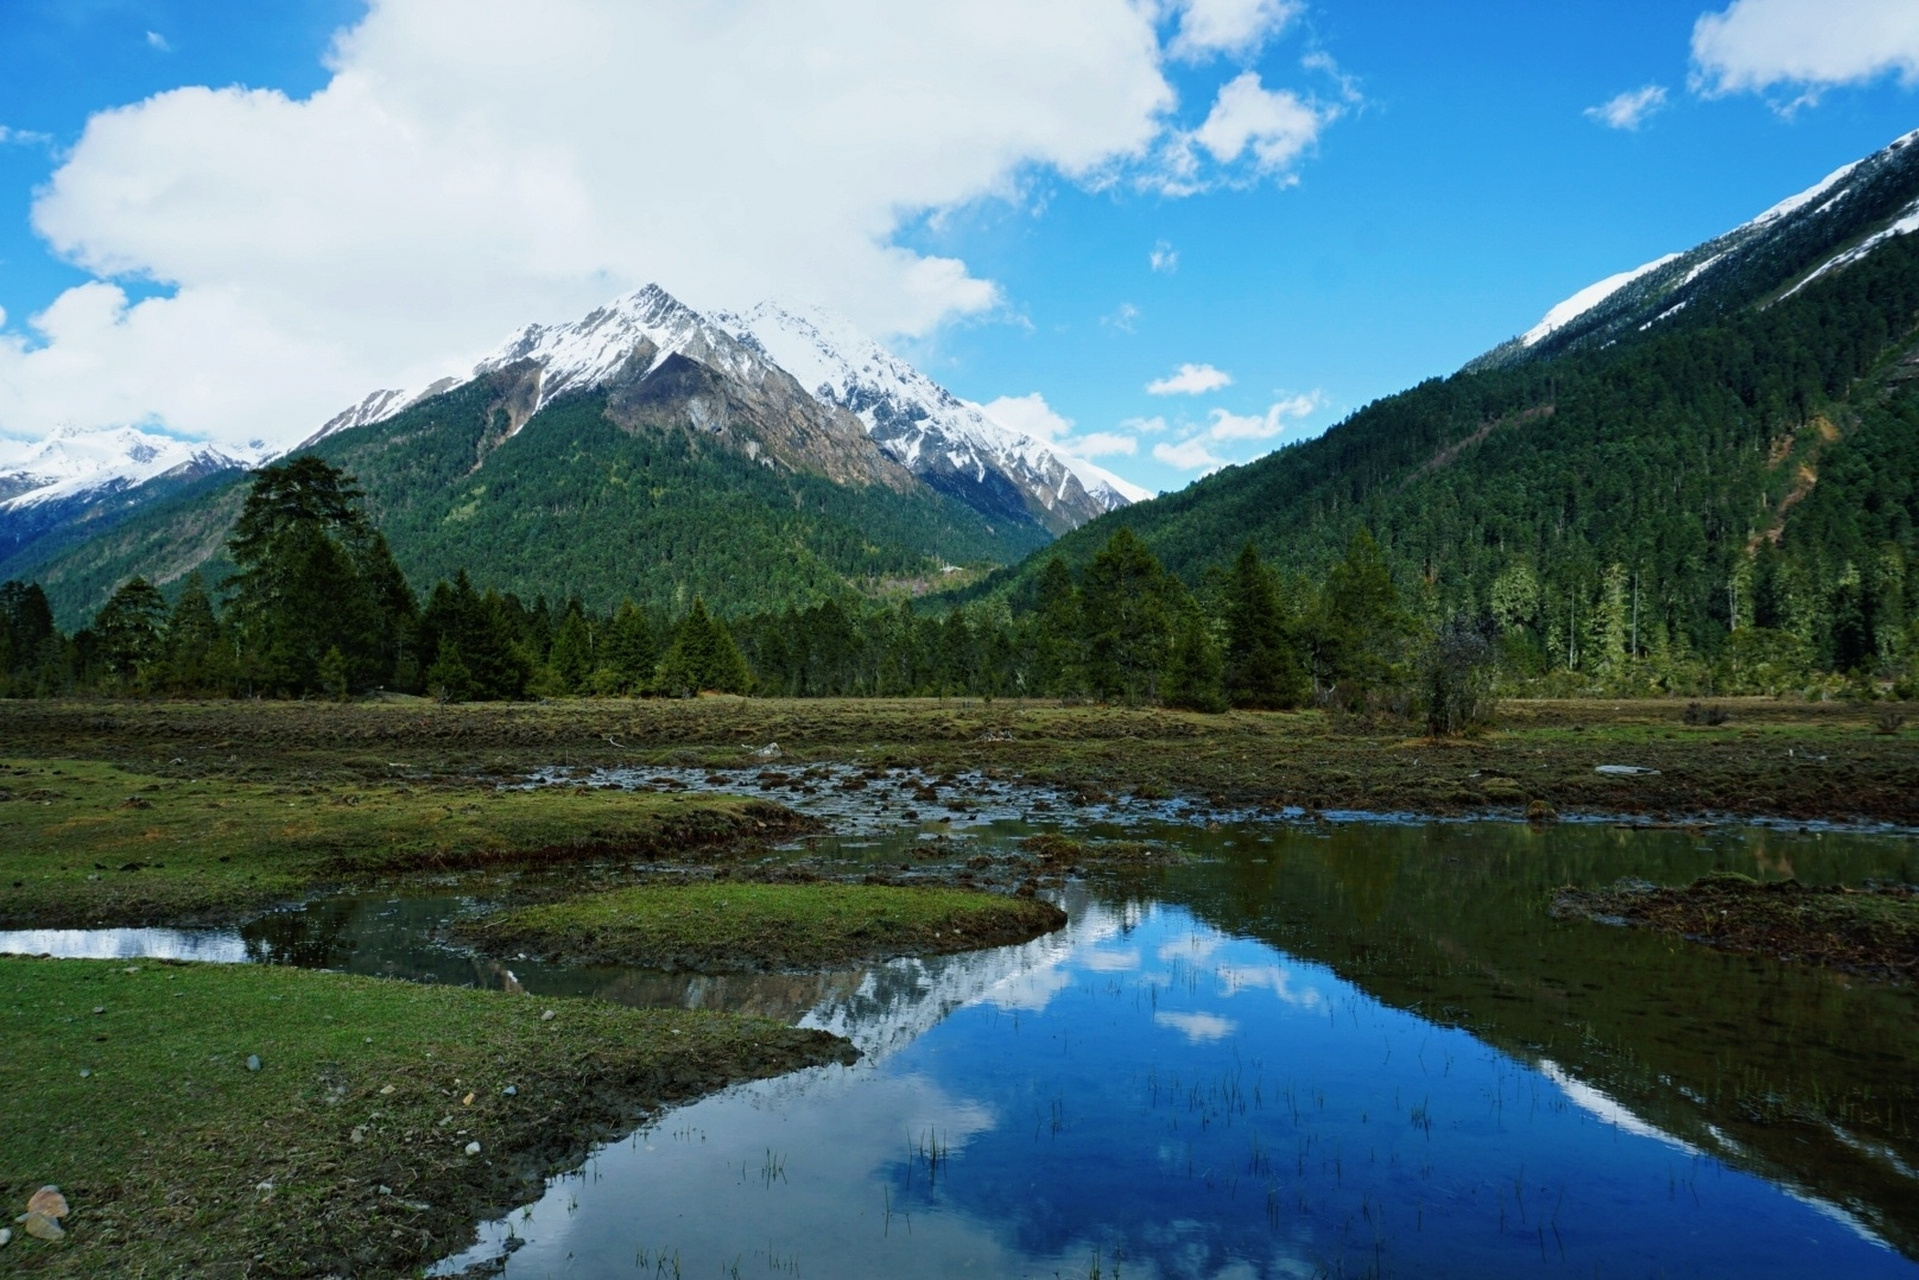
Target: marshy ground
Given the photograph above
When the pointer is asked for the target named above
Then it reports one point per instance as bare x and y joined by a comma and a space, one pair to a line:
179, 1160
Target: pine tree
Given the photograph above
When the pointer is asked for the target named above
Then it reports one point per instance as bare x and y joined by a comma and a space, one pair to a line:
130, 628
1124, 624
631, 651
702, 657
194, 658
572, 654
1194, 668
1056, 657
1263, 670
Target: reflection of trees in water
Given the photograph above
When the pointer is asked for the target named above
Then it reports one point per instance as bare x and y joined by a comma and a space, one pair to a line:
379, 937
1801, 1075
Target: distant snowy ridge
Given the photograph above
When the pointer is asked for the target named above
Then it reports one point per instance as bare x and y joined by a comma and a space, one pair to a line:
949, 443
1588, 298
72, 463
1833, 223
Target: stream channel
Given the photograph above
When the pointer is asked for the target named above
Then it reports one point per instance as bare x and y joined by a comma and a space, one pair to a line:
1309, 1048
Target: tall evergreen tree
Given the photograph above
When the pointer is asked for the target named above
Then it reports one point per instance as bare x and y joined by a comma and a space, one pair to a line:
130, 628
702, 657
1124, 622
314, 574
194, 658
1263, 670
631, 650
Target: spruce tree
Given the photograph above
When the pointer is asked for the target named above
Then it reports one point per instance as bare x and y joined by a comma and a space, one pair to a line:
130, 629
572, 654
1194, 669
194, 658
631, 651
1124, 623
1263, 670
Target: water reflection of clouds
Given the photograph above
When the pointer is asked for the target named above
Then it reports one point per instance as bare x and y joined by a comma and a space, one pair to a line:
1199, 1028
1237, 978
220, 945
1193, 948
1111, 961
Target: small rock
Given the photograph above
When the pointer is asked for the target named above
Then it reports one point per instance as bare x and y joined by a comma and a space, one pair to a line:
547, 1016
264, 1188
467, 1101
6, 1235
253, 1062
41, 1227
511, 1091
131, 969
386, 1092
86, 1073
49, 1201
1625, 770
358, 1135
473, 1148
99, 1008
1540, 811
385, 1190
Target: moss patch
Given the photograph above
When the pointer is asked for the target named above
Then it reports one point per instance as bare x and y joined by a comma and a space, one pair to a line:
86, 843
734, 927
345, 1153
1870, 931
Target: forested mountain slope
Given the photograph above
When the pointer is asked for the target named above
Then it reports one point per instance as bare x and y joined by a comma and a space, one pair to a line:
587, 499
1747, 463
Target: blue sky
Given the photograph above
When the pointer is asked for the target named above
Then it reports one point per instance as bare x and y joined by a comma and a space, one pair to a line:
992, 193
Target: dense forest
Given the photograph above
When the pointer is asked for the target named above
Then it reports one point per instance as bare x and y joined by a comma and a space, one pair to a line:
317, 606
1734, 503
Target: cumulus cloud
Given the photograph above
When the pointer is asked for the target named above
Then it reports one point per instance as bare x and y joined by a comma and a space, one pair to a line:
1190, 380
473, 165
1630, 109
1756, 45
1208, 28
1262, 426
1274, 127
1164, 258
1188, 455
1031, 414
1199, 1028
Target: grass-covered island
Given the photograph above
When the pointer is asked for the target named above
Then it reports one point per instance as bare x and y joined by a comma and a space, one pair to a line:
1872, 931
731, 926
225, 1121
89, 843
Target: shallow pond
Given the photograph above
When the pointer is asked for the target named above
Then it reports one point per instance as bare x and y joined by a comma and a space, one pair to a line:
1312, 1049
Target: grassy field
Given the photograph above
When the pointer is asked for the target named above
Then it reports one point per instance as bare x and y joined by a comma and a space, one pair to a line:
347, 1151
1778, 758
86, 842
716, 927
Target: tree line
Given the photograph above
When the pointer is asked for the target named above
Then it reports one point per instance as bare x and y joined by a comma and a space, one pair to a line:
317, 607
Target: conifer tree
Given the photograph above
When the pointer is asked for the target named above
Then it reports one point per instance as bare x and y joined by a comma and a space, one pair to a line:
631, 651
195, 660
1194, 668
1124, 623
130, 628
1056, 657
1263, 670
702, 657
572, 653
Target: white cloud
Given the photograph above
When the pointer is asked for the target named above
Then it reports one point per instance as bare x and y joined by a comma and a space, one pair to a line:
24, 137
1155, 425
1188, 455
1755, 45
1029, 413
1630, 109
1264, 426
1164, 258
1104, 444
476, 164
1124, 317
1200, 1028
1276, 126
1211, 27
1190, 380
157, 41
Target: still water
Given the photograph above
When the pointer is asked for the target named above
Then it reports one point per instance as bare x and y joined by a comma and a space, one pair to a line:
1309, 1050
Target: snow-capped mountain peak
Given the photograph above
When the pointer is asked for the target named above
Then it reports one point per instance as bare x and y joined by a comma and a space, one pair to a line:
73, 462
950, 442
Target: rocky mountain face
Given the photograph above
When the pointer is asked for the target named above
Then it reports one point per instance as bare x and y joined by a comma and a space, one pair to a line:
948, 442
